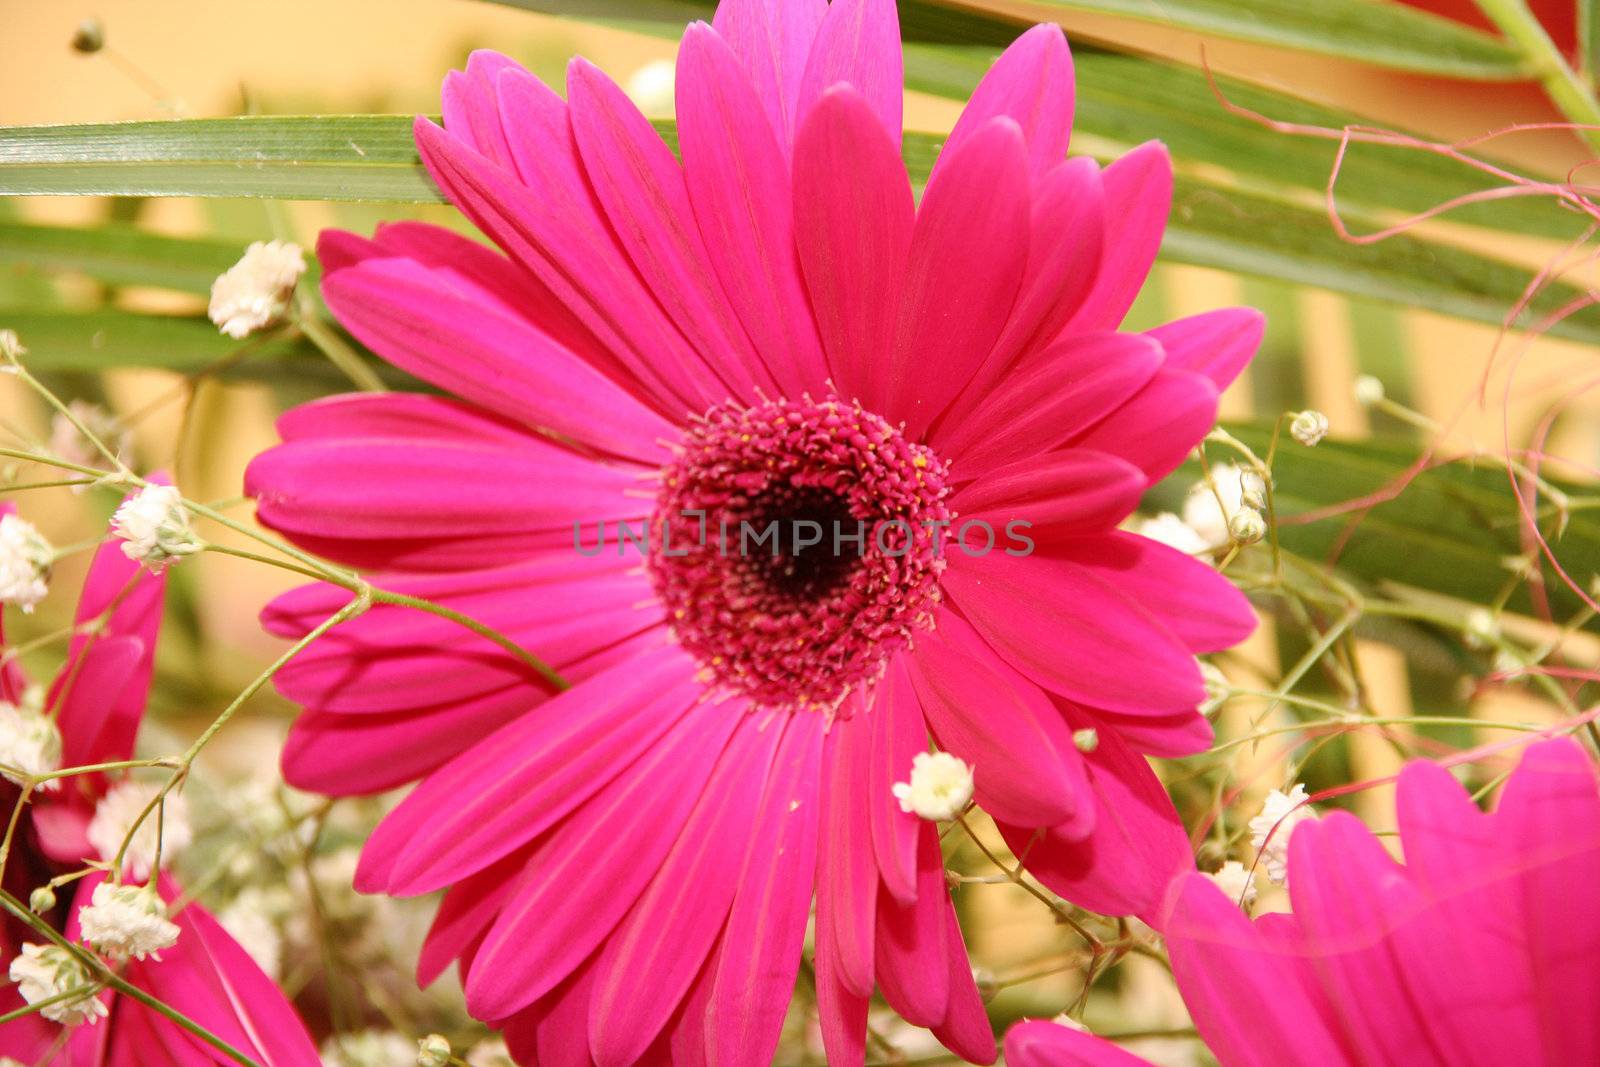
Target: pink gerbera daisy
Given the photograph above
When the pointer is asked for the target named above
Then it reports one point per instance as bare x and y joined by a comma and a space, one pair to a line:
1479, 950
96, 703
772, 331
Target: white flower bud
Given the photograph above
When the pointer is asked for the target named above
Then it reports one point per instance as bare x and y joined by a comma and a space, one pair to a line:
1212, 503
255, 292
154, 527
116, 814
43, 972
1247, 526
1309, 428
41, 900
433, 1051
10, 348
25, 559
1172, 532
940, 786
1368, 390
1234, 879
1086, 740
127, 920
490, 1052
68, 442
653, 88
30, 741
1481, 628
1281, 813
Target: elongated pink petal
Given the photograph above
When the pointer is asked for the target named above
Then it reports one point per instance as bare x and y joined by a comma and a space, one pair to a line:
416, 320
526, 776
761, 947
1161, 425
1218, 344
842, 1013
773, 40
1170, 736
898, 734
968, 251
1036, 1043
739, 185
666, 937
847, 872
858, 44
1025, 767
1070, 630
1057, 494
469, 105
1138, 189
582, 881
1032, 84
391, 415
910, 948
853, 220
87, 699
1056, 395
965, 1029
465, 914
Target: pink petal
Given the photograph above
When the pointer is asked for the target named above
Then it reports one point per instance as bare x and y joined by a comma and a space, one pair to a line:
1025, 767
739, 185
1160, 426
87, 701
1032, 84
391, 415
898, 734
853, 215
847, 873
414, 318
1170, 736
842, 1013
468, 909
469, 105
591, 870
968, 252
641, 187
1218, 344
858, 45
965, 1029
1036, 1043
910, 947
1138, 191
761, 947
1049, 398
1055, 494
654, 954
1070, 630
772, 40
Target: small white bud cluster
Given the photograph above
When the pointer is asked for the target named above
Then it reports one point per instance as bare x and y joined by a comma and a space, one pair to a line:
490, 1052
118, 811
154, 527
254, 293
1218, 688
68, 442
1236, 882
1226, 508
30, 741
1280, 814
127, 920
1173, 532
46, 972
25, 559
433, 1051
368, 1048
940, 786
1309, 428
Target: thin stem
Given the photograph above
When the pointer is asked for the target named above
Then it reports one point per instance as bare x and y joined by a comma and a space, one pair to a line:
1571, 95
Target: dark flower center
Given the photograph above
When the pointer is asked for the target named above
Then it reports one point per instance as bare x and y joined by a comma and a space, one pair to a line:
797, 545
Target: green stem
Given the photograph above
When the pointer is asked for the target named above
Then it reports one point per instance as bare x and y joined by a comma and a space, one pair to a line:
1570, 93
340, 354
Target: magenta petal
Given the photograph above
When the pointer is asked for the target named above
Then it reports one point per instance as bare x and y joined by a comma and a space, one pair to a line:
1036, 1043
1138, 197
853, 220
415, 319
1025, 767
392, 415
1049, 398
653, 956
1031, 83
86, 700
1072, 631
1136, 845
773, 40
910, 947
847, 873
1056, 494
898, 734
1218, 344
858, 45
526, 776
468, 105
965, 1029
465, 914
583, 879
1160, 426
1227, 971
969, 248
761, 947
1185, 734
739, 184
842, 1013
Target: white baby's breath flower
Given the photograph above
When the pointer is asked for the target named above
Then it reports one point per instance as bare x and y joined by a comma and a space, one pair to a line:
1309, 428
1368, 390
30, 741
1211, 504
127, 920
25, 558
369, 1048
121, 808
68, 442
433, 1051
43, 972
1281, 813
490, 1052
252, 919
1247, 526
1173, 532
940, 786
154, 527
255, 292
652, 88
1236, 882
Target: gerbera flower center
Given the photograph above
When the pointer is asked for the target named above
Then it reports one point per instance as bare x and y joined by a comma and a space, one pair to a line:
797, 545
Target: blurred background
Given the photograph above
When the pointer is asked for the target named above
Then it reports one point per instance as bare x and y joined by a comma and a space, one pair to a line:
200, 58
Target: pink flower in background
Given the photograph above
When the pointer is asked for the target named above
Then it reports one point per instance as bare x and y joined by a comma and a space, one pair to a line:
772, 330
96, 702
1480, 949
